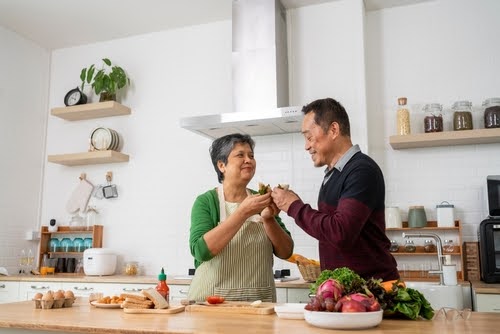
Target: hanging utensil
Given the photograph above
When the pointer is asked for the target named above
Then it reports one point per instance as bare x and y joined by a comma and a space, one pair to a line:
109, 191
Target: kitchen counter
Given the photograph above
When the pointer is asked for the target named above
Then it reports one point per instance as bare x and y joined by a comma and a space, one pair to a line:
481, 287
83, 318
300, 283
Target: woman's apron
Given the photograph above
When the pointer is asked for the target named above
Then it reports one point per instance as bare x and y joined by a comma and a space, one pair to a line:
243, 270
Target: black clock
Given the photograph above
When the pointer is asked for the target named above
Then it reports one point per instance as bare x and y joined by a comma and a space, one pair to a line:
74, 97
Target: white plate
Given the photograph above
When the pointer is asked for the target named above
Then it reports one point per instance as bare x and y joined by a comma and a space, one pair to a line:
102, 305
343, 320
290, 310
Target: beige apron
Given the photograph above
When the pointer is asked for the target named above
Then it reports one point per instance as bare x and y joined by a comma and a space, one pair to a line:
243, 270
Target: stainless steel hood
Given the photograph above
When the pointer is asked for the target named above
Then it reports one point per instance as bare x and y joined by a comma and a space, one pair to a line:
260, 97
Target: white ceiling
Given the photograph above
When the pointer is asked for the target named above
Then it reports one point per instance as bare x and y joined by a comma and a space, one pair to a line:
55, 24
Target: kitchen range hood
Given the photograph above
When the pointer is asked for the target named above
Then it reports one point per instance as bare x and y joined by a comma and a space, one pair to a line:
260, 76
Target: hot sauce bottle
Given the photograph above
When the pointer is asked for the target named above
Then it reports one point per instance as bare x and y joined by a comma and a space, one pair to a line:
162, 286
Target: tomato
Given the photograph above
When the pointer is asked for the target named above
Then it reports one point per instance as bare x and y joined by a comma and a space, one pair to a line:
215, 299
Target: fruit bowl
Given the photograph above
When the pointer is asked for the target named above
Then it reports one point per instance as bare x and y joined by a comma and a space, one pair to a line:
343, 320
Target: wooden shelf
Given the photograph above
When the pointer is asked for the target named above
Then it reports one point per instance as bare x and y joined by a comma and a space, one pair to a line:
88, 158
446, 138
91, 110
431, 225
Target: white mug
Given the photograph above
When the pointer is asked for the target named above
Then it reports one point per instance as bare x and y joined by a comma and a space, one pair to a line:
393, 217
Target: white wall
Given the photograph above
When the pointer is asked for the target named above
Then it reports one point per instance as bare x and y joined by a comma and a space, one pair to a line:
23, 115
186, 72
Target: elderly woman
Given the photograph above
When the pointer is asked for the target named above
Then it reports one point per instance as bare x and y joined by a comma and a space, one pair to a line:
235, 231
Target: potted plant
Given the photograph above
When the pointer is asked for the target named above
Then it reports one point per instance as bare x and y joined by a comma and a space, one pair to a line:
106, 81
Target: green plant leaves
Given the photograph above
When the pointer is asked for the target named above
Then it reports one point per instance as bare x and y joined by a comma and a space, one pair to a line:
107, 79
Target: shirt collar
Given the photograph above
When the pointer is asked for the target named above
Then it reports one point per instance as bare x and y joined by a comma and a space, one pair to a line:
344, 159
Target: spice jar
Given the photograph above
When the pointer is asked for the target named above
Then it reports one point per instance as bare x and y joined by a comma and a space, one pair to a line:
448, 246
433, 119
462, 115
403, 117
492, 113
429, 246
410, 246
394, 246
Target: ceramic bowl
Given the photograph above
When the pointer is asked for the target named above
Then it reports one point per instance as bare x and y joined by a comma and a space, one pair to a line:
343, 320
290, 310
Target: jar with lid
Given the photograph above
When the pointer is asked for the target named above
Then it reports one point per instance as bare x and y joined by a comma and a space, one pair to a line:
429, 246
433, 118
448, 246
131, 268
462, 115
410, 246
492, 113
394, 246
403, 117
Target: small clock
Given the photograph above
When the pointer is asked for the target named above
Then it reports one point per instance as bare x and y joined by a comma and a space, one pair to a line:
74, 97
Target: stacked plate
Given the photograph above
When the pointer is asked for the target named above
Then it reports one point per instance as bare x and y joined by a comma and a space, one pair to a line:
103, 139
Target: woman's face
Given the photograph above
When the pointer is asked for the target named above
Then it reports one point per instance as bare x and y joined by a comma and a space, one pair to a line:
240, 164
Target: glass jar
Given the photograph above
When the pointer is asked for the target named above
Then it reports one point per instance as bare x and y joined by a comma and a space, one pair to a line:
492, 113
410, 246
403, 117
433, 118
462, 115
91, 218
78, 245
131, 268
429, 246
394, 246
448, 246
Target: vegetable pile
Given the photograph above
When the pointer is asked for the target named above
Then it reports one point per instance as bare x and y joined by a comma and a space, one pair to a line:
343, 290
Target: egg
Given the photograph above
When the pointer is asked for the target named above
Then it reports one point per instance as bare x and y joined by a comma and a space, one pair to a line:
38, 296
69, 294
58, 295
48, 296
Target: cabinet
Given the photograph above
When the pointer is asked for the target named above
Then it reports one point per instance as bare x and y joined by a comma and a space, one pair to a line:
420, 257
446, 138
85, 112
9, 291
28, 289
487, 302
65, 232
298, 296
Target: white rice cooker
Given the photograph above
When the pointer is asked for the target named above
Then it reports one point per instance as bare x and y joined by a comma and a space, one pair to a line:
99, 262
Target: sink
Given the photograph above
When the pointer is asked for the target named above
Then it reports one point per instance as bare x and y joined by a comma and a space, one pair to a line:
442, 295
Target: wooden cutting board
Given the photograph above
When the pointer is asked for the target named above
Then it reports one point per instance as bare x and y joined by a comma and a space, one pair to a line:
233, 307
170, 310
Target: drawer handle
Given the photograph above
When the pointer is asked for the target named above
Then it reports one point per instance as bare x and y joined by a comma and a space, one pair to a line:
83, 289
131, 290
36, 287
2, 286
184, 292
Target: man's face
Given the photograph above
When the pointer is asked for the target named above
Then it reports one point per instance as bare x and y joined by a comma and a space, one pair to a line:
317, 142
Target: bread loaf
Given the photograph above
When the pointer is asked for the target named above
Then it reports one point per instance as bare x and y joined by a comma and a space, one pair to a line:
128, 304
133, 296
156, 298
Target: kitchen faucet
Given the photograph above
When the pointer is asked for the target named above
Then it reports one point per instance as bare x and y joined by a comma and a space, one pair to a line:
439, 251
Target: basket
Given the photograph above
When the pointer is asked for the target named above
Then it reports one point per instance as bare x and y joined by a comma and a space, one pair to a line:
309, 272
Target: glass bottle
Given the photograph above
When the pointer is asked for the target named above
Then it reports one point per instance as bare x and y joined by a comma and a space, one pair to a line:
448, 246
394, 246
403, 117
429, 246
162, 286
433, 119
410, 246
91, 218
462, 115
492, 113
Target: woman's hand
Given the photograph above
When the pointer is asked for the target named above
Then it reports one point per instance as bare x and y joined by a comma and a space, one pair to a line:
255, 204
270, 211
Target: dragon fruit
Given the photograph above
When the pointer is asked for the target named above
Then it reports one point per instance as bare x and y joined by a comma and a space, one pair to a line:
331, 288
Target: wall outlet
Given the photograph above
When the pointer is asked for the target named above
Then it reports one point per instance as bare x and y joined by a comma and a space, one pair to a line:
32, 235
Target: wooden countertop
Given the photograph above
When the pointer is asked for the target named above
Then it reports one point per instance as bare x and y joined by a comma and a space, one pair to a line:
84, 318
300, 283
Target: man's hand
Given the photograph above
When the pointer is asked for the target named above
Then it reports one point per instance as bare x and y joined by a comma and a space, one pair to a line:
283, 198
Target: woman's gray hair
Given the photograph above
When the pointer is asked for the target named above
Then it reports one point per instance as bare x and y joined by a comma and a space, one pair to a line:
222, 147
